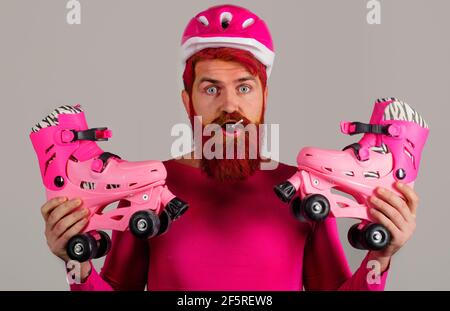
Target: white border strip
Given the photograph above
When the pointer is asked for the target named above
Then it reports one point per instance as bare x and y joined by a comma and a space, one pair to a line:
259, 50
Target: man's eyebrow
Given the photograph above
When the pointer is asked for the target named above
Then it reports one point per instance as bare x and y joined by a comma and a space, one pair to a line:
248, 78
214, 81
205, 79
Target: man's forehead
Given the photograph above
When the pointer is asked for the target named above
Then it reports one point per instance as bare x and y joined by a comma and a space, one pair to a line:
220, 70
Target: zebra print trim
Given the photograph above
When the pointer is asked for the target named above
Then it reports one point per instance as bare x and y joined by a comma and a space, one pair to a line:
87, 185
398, 110
371, 174
52, 118
380, 149
112, 186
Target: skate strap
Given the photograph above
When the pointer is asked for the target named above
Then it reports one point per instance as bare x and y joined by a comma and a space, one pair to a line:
360, 154
99, 164
93, 134
353, 128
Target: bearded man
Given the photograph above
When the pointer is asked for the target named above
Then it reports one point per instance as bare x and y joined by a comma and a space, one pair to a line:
236, 235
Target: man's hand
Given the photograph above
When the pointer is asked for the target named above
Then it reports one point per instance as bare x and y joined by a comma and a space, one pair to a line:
397, 214
64, 219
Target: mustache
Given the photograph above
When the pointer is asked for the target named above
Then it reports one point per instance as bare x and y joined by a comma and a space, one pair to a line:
234, 117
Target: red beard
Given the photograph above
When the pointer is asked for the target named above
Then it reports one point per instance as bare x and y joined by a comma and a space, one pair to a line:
230, 169
234, 169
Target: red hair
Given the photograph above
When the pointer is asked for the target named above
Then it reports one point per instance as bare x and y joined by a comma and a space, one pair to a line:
245, 58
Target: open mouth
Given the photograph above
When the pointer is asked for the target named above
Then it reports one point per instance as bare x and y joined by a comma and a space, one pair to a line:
231, 127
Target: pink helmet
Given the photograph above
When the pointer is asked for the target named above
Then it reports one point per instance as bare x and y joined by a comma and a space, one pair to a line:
228, 26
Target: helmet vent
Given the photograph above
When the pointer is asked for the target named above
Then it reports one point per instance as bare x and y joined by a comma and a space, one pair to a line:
225, 19
248, 22
203, 20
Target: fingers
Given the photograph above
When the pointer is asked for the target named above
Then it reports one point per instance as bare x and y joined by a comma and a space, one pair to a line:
66, 222
61, 211
382, 219
395, 201
75, 229
410, 195
388, 211
47, 208
62, 222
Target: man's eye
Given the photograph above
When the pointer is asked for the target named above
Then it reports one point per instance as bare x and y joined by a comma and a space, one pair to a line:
244, 89
212, 90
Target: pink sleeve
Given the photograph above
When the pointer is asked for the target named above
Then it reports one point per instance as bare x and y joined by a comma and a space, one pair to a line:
93, 283
125, 268
326, 267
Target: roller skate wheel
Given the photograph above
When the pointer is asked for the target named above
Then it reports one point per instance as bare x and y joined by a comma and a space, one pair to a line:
142, 225
165, 222
354, 237
82, 247
103, 244
377, 236
296, 209
317, 207
78, 249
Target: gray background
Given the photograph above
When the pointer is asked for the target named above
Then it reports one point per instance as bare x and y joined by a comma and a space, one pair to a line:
122, 65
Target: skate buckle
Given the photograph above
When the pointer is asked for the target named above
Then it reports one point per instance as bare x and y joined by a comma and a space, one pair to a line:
396, 130
93, 134
67, 136
99, 164
346, 127
362, 154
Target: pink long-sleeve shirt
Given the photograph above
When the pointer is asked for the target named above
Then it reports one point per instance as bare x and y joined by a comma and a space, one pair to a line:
236, 236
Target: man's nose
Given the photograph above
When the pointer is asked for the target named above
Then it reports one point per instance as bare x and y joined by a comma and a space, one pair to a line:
230, 101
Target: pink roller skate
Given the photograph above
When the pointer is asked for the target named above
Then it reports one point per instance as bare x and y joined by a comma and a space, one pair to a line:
73, 165
389, 151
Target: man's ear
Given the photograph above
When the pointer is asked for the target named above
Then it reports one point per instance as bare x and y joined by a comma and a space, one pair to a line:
266, 94
186, 101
